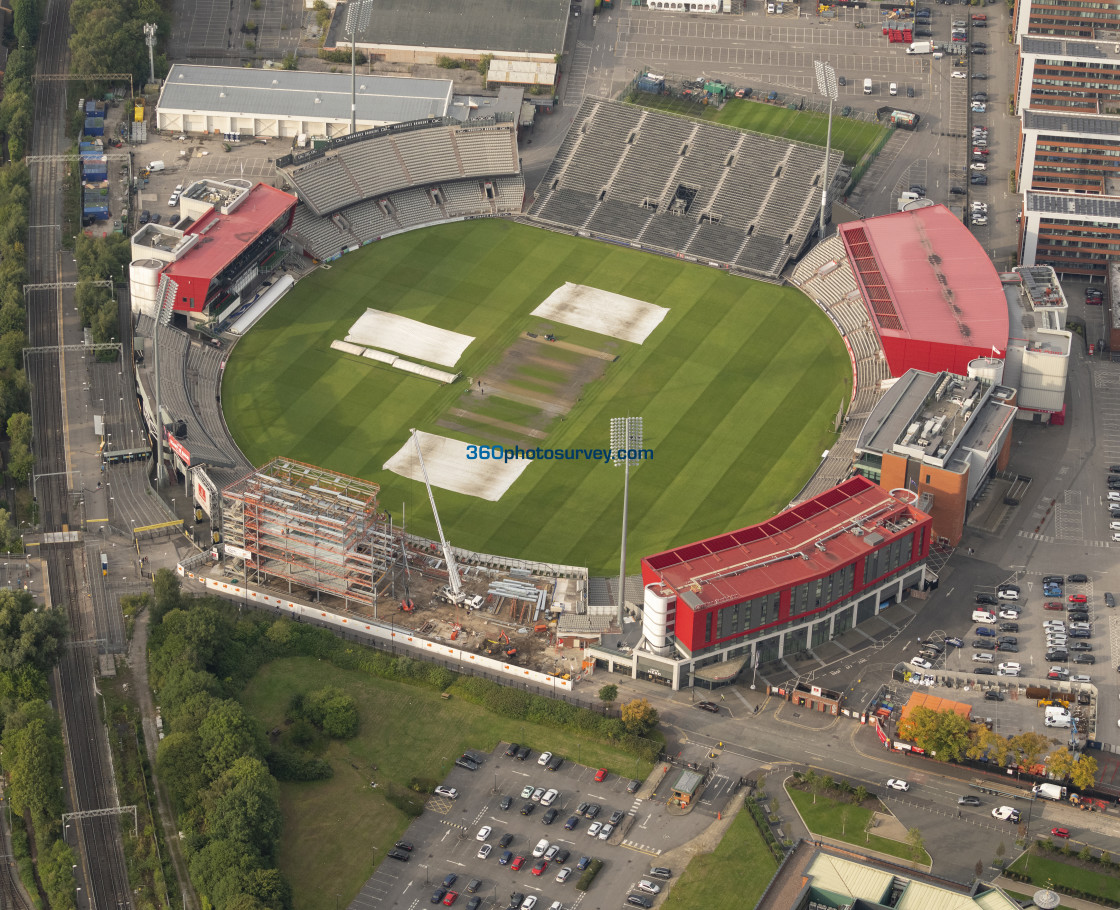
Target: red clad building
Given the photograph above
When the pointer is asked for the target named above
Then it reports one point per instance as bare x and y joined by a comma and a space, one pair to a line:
936, 299
788, 583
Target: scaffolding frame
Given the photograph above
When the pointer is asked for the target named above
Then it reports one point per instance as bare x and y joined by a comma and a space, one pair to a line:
311, 527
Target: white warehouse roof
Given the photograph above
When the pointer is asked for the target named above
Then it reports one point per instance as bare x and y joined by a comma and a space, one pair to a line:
295, 95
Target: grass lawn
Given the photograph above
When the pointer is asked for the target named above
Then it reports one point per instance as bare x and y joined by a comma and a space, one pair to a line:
852, 137
827, 819
1024, 898
734, 874
336, 830
1051, 868
738, 387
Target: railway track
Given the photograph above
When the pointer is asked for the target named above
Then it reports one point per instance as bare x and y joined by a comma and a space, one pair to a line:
103, 876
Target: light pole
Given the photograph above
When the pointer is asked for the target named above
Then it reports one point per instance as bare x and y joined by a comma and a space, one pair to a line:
357, 19
828, 87
626, 436
150, 40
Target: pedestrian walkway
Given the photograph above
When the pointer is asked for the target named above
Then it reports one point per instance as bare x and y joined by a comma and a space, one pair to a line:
1009, 884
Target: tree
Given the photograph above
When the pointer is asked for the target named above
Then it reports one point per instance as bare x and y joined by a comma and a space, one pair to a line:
860, 794
20, 458
226, 734
986, 743
1083, 775
608, 693
167, 593
845, 814
916, 843
639, 717
1086, 854
1059, 763
243, 806
180, 764
1000, 851
943, 734
1027, 748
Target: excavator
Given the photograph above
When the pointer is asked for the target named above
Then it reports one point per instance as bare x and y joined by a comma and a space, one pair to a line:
494, 646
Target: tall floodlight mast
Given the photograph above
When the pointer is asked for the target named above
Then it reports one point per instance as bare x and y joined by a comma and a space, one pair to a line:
829, 88
357, 19
626, 436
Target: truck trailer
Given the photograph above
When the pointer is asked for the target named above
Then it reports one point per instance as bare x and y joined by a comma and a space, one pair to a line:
920, 47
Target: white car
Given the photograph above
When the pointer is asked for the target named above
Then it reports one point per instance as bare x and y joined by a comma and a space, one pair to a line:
1081, 678
1010, 613
529, 903
921, 662
1083, 626
649, 887
564, 874
545, 758
894, 88
538, 850
484, 851
537, 794
173, 200
594, 828
1054, 624
1008, 673
896, 784
978, 108
483, 833
1010, 665
449, 792
1008, 593
606, 831
980, 207
957, 74
979, 220
1114, 526
550, 797
1113, 496
1116, 535
979, 166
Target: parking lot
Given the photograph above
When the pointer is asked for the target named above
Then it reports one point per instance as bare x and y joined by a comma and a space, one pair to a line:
445, 839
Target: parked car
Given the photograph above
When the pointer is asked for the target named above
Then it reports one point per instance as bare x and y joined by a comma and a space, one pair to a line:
449, 792
1059, 832
898, 784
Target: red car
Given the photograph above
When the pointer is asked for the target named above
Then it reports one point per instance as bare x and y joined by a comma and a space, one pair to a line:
980, 151
1059, 832
1054, 605
539, 866
518, 862
450, 898
1078, 599
601, 774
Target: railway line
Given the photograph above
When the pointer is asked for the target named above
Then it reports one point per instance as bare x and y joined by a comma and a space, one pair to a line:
102, 873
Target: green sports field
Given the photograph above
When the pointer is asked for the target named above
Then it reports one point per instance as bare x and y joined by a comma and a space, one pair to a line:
738, 388
853, 137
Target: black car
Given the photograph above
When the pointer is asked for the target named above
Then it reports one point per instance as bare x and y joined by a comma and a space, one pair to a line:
922, 33
993, 696
466, 763
1109, 600
505, 858
1057, 654
555, 762
438, 895
985, 671
957, 190
570, 824
979, 44
550, 816
593, 810
632, 787
506, 802
512, 750
561, 857
639, 900
1080, 633
979, 24
980, 96
708, 706
909, 91
450, 879
523, 753
474, 903
398, 854
1080, 646
1082, 658
980, 644
1053, 579
989, 599
1114, 468
978, 180
917, 188
1008, 640
616, 817
1007, 649
582, 808
528, 808
979, 51
584, 862
515, 900
1079, 578
976, 76
1009, 627
969, 800
660, 872
403, 845
505, 840
1078, 617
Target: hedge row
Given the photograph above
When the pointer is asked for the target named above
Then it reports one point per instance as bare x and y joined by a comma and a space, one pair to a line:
588, 876
758, 813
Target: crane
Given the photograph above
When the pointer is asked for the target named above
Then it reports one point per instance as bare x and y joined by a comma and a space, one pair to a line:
454, 592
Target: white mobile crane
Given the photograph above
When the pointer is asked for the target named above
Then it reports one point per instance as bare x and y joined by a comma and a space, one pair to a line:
453, 591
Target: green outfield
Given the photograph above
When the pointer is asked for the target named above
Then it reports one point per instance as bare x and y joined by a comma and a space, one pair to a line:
738, 388
853, 137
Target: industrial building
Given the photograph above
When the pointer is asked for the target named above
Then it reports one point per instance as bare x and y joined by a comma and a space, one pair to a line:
930, 288
225, 242
422, 32
1066, 18
774, 589
241, 102
940, 436
1073, 233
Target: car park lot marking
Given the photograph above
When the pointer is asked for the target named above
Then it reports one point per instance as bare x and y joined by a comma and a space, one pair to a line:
640, 848
456, 825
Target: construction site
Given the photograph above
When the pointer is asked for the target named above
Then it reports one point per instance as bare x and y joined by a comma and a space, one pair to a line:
322, 537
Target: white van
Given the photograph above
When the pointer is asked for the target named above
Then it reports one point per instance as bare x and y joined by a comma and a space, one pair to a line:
983, 657
867, 86
983, 616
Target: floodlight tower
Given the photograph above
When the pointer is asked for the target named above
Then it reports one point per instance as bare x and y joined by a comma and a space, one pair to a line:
165, 301
827, 87
150, 29
626, 436
357, 18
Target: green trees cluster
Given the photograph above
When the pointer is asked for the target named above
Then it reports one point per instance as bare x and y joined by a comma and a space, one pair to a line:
31, 640
16, 106
213, 757
108, 36
329, 710
100, 259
